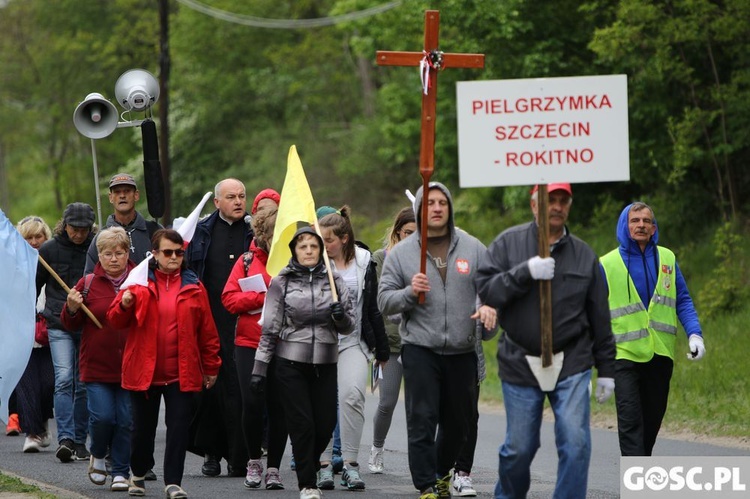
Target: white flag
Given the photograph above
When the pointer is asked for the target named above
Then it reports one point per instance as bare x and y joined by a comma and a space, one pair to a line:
139, 275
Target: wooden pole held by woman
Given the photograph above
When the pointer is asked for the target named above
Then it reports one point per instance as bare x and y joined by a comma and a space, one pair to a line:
67, 290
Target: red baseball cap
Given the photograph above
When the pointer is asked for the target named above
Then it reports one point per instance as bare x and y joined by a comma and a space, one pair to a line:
555, 187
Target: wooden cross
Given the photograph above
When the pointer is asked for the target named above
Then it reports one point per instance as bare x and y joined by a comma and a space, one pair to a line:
433, 60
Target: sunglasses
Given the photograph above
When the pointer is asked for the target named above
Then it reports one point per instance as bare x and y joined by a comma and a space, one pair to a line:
169, 252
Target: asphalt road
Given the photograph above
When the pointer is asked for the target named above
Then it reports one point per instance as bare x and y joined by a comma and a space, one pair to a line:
70, 480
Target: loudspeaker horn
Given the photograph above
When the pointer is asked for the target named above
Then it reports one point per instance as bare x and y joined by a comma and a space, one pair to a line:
95, 117
137, 90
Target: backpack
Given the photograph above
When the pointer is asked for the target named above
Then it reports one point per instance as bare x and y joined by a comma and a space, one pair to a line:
87, 285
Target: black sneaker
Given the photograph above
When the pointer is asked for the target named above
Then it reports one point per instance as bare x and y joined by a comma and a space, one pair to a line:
80, 452
211, 466
150, 476
65, 451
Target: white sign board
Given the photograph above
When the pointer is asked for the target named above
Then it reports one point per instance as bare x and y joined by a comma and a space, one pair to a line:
531, 131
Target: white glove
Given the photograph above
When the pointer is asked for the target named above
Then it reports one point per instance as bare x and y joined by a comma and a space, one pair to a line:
697, 349
542, 268
605, 387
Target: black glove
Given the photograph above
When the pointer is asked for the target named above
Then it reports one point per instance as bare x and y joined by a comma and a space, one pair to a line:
337, 311
257, 384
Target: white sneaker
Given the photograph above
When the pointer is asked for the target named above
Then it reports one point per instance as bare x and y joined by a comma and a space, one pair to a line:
254, 474
45, 440
31, 444
310, 494
376, 460
462, 486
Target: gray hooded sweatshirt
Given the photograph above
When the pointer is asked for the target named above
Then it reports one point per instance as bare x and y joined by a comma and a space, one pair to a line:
443, 322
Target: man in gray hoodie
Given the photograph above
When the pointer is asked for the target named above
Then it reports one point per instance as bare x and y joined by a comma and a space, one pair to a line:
438, 337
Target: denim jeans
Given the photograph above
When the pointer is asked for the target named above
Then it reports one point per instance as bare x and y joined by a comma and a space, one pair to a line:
71, 413
523, 407
109, 424
337, 437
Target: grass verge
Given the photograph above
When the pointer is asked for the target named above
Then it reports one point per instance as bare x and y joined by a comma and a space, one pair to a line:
12, 485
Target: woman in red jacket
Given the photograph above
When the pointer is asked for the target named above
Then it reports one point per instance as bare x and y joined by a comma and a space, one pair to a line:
100, 358
172, 351
248, 306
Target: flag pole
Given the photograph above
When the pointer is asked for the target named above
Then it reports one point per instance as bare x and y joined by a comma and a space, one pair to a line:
329, 271
67, 290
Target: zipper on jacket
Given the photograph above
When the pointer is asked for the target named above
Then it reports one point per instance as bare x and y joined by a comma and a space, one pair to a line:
312, 340
445, 294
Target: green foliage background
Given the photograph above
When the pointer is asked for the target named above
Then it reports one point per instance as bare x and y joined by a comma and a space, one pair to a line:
240, 96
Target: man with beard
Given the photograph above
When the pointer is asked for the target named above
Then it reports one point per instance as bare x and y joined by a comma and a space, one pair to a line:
219, 240
438, 337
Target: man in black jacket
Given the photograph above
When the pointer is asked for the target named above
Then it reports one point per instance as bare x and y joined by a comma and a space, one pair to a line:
508, 279
66, 255
219, 240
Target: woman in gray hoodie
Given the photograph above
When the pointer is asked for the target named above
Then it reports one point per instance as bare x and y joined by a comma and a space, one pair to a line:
301, 327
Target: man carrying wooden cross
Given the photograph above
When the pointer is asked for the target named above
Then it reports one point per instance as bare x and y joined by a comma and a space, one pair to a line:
438, 337
508, 279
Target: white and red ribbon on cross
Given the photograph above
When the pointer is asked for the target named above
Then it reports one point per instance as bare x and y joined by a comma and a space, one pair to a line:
424, 71
430, 60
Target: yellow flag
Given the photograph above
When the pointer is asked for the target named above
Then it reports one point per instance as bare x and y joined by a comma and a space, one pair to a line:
297, 205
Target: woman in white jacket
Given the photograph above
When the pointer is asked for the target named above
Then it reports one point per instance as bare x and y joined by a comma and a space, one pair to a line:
367, 342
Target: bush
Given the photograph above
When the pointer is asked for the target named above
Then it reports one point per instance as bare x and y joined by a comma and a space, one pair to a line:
726, 289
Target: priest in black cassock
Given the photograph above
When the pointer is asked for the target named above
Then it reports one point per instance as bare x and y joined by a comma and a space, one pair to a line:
219, 240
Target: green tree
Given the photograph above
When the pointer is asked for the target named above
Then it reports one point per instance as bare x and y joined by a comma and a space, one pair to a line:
687, 62
53, 55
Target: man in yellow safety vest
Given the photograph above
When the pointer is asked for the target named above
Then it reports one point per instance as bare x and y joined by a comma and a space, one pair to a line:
647, 296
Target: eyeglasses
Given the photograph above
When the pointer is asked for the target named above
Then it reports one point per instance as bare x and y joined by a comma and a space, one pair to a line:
169, 252
107, 255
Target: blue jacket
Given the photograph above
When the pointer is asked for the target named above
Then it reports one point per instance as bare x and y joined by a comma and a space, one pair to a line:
198, 249
643, 267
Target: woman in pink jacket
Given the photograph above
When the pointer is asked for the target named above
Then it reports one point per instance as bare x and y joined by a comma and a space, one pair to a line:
172, 351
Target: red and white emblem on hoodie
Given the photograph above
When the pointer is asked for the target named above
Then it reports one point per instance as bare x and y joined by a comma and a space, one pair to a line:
462, 266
